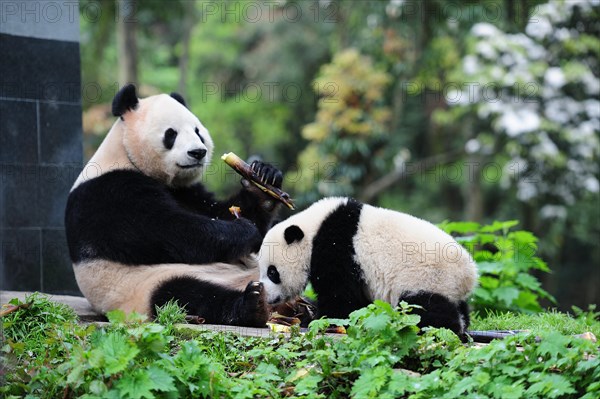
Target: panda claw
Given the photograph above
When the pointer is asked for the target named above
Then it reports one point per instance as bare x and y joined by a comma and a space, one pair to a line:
266, 173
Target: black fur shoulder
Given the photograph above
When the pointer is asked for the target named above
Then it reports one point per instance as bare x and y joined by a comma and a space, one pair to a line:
127, 217
334, 273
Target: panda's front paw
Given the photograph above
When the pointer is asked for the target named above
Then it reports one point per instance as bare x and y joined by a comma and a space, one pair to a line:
268, 173
249, 234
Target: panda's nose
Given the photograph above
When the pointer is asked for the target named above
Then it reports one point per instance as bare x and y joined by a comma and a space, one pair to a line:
197, 154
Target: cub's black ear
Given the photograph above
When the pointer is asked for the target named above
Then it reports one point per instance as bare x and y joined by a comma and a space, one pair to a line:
179, 99
125, 100
293, 234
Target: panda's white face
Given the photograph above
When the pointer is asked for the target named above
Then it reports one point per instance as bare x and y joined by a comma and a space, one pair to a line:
284, 262
286, 251
165, 140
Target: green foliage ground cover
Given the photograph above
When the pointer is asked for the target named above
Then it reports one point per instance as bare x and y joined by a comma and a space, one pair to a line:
505, 258
47, 354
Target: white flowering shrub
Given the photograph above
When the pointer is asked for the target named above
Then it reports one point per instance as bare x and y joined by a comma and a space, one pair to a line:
535, 98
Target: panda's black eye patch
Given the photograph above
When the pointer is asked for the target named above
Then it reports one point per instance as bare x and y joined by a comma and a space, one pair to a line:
198, 133
273, 274
169, 138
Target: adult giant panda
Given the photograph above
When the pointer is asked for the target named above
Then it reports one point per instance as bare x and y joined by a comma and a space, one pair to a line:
353, 253
142, 230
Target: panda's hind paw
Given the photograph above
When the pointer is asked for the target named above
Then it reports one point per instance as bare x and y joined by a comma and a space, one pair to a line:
254, 308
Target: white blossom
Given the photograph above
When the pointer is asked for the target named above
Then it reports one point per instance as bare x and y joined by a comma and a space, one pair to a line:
472, 146
553, 211
521, 94
539, 29
486, 50
471, 65
519, 121
484, 29
526, 190
545, 148
591, 184
591, 83
563, 34
555, 77
592, 108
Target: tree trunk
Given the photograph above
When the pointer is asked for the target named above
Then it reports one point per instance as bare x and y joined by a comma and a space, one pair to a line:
126, 41
474, 194
474, 199
189, 21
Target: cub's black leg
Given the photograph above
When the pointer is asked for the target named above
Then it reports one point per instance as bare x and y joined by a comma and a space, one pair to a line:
214, 303
463, 310
438, 311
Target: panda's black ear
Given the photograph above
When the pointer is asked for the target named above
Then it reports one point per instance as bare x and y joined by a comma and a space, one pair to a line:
125, 100
293, 234
179, 98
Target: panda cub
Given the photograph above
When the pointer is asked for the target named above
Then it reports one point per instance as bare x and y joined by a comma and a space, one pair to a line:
143, 230
353, 254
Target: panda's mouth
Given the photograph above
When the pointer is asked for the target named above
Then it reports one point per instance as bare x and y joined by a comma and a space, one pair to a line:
280, 299
191, 166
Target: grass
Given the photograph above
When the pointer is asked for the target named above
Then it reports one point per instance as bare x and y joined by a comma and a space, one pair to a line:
563, 323
32, 325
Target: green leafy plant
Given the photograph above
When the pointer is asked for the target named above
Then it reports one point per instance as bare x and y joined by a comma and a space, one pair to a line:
557, 366
505, 259
383, 356
170, 314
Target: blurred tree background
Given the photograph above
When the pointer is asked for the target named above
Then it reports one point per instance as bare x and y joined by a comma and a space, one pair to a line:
463, 110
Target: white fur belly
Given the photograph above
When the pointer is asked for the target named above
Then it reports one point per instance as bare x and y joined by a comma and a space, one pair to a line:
109, 285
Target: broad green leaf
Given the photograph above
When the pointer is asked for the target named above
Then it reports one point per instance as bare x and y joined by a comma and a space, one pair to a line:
370, 382
118, 351
506, 294
116, 316
161, 380
268, 371
553, 344
459, 227
489, 267
98, 388
136, 385
377, 322
308, 384
489, 283
528, 281
499, 226
75, 377
514, 391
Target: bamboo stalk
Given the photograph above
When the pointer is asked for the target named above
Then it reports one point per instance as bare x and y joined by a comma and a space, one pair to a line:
8, 309
249, 174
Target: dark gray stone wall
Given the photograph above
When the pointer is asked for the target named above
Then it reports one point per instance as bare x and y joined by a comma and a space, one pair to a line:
40, 141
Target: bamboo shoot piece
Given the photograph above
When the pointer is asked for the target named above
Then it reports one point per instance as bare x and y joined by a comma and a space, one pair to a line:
249, 174
9, 308
235, 211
